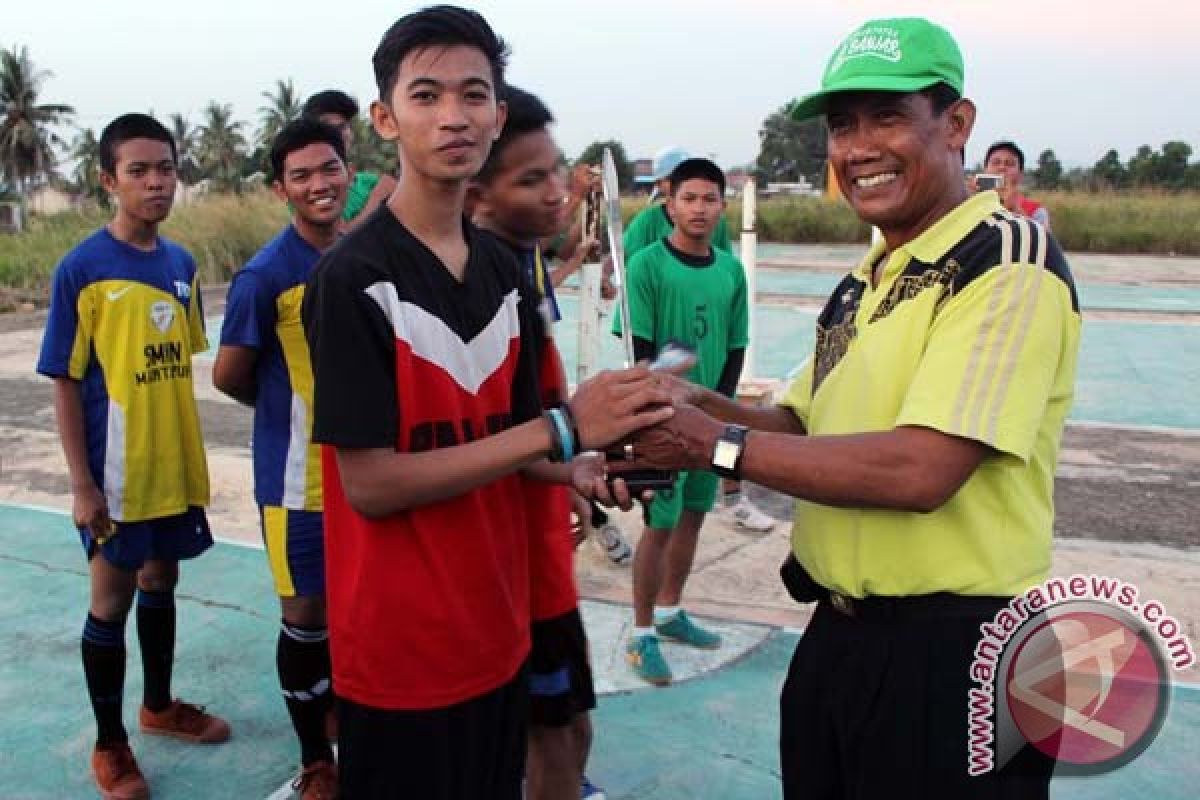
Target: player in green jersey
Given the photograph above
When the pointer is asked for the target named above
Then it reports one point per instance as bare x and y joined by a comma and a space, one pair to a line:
368, 190
683, 288
654, 222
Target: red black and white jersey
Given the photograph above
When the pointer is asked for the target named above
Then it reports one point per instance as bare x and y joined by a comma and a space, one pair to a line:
552, 590
428, 607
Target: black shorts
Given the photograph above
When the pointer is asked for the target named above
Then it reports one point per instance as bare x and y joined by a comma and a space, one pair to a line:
878, 708
468, 751
560, 677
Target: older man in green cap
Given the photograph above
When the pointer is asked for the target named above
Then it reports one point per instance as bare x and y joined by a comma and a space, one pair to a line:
920, 438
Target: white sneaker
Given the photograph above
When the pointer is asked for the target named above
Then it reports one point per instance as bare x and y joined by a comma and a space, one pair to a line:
748, 517
612, 541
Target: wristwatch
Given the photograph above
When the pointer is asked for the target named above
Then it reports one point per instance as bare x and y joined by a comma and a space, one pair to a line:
727, 454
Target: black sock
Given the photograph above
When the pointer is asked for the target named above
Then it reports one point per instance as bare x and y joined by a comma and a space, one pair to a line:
104, 669
599, 518
302, 659
156, 633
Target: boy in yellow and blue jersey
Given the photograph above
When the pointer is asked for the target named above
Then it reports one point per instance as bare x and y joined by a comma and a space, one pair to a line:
264, 362
125, 319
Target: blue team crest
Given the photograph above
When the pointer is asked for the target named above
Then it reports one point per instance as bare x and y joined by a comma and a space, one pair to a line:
162, 314
183, 290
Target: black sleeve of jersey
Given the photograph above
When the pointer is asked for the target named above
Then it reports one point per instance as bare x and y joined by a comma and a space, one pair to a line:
353, 354
731, 372
526, 388
643, 349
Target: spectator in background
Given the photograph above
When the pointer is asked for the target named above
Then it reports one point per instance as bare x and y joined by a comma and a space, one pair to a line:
368, 190
1006, 159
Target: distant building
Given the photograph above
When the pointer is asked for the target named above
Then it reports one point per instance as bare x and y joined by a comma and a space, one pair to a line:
643, 172
735, 179
185, 195
50, 198
801, 187
10, 217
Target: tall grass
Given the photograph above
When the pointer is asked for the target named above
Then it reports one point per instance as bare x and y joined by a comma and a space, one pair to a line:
223, 231
1126, 222
1144, 221
220, 231
788, 219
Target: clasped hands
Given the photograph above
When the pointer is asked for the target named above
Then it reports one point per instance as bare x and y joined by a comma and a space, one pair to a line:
650, 417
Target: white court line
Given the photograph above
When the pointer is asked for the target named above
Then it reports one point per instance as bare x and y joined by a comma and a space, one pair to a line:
239, 543
32, 507
1165, 429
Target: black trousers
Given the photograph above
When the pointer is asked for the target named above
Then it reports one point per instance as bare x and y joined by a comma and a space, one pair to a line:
878, 708
474, 750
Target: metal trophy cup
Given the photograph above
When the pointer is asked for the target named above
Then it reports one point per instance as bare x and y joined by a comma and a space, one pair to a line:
637, 480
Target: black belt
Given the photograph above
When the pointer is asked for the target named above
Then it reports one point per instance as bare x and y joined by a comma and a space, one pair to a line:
924, 606
945, 605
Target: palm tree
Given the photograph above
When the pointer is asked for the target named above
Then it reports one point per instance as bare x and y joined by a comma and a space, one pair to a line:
26, 141
221, 146
282, 107
185, 146
86, 152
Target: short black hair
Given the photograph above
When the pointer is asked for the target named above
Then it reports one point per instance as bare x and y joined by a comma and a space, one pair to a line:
436, 26
941, 95
526, 114
131, 126
1011, 147
331, 101
701, 168
298, 134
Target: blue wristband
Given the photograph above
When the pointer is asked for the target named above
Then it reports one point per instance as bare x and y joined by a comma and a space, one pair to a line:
566, 440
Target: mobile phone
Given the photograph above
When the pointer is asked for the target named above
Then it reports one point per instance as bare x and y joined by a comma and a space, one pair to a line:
984, 182
641, 480
674, 357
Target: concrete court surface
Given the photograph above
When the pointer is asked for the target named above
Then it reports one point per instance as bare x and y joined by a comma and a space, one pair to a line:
712, 735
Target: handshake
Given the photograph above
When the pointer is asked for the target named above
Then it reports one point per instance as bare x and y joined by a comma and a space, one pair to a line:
647, 422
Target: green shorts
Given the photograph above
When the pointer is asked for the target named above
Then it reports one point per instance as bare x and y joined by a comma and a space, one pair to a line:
693, 491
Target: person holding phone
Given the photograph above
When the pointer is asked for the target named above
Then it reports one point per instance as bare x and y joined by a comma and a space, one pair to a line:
1006, 161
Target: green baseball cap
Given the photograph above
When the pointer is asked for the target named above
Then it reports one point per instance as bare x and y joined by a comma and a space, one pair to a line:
906, 54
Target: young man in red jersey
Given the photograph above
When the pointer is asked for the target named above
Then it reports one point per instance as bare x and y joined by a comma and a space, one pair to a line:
428, 406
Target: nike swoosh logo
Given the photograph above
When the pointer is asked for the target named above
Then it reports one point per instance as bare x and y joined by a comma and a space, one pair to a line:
116, 295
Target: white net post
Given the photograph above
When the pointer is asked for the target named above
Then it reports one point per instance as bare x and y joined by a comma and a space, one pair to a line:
749, 248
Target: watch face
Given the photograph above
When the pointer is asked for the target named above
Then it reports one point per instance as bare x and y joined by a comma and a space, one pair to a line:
725, 455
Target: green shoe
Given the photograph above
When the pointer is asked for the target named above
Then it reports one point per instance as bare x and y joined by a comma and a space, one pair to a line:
643, 655
680, 628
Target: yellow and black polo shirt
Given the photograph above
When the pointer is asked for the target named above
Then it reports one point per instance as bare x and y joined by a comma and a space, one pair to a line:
973, 330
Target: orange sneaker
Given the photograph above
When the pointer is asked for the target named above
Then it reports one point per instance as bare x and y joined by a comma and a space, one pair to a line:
318, 781
117, 774
184, 721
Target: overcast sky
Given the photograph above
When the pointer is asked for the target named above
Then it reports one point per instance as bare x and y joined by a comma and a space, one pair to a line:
1078, 76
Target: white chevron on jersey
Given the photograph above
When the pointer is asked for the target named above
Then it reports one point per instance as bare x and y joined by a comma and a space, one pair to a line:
470, 364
